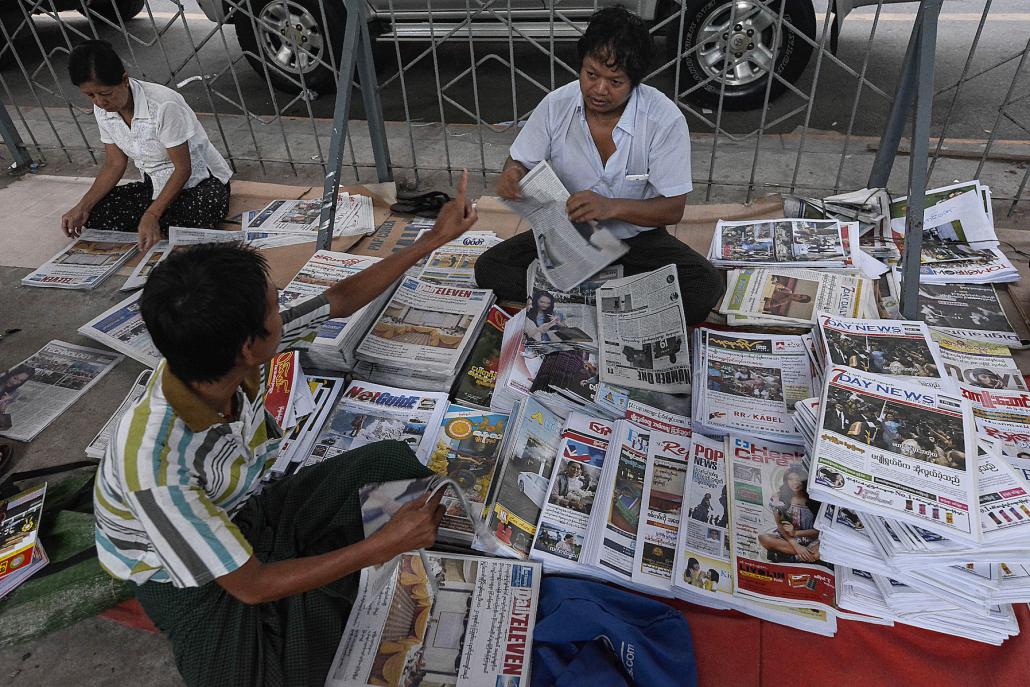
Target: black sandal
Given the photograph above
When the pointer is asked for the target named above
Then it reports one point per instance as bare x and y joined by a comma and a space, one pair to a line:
421, 205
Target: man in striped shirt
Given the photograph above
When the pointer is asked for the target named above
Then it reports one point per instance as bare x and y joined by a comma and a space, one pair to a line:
250, 588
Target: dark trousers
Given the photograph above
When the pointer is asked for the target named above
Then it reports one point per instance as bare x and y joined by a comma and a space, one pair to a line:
503, 268
218, 640
204, 206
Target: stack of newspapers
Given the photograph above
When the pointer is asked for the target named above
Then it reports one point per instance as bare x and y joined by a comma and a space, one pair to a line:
334, 343
454, 263
869, 207
750, 383
959, 241
353, 216
422, 336
925, 499
810, 243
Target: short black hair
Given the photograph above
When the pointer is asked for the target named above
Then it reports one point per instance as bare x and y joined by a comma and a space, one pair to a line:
621, 39
202, 304
95, 61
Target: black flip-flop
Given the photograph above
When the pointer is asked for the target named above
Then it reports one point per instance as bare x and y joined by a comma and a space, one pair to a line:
421, 205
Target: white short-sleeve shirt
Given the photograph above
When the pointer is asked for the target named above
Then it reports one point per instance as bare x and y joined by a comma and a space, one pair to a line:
652, 148
161, 119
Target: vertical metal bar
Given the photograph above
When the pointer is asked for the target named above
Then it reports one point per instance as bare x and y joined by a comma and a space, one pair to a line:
718, 115
922, 70
777, 39
331, 187
900, 107
21, 156
811, 100
1001, 111
370, 94
404, 94
439, 93
475, 88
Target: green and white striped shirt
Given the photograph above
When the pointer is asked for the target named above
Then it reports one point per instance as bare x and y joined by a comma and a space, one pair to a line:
176, 472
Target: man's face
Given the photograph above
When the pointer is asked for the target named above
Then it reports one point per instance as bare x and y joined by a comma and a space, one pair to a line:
605, 90
264, 348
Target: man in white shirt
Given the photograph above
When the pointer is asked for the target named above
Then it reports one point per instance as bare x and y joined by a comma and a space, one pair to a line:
622, 149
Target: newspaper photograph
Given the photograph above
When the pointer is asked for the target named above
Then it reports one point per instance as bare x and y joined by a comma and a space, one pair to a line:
704, 558
353, 216
897, 449
122, 328
895, 348
559, 320
665, 483
40, 388
565, 519
468, 447
466, 621
454, 263
568, 253
955, 216
816, 242
643, 332
368, 412
968, 311
751, 382
146, 265
525, 467
987, 266
774, 531
987, 365
90, 259
426, 325
613, 540
478, 375
794, 295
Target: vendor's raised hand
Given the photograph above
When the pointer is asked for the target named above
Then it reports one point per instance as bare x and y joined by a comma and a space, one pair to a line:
587, 206
149, 232
73, 221
508, 182
456, 217
412, 527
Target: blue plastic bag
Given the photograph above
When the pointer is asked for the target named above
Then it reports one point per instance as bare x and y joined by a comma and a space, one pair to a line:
588, 633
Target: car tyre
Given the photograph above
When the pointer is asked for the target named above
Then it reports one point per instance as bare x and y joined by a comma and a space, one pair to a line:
707, 28
298, 22
106, 9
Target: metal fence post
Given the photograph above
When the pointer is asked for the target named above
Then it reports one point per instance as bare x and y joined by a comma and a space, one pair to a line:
914, 94
356, 53
22, 159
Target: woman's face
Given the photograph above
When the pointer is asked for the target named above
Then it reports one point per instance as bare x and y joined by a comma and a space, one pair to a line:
544, 302
14, 381
794, 482
107, 98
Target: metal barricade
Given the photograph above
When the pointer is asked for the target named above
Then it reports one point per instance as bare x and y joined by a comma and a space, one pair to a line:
797, 105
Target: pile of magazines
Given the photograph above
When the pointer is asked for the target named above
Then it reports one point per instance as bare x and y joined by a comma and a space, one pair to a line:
782, 243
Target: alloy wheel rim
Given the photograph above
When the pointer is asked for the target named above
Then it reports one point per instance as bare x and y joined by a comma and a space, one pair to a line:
737, 52
291, 37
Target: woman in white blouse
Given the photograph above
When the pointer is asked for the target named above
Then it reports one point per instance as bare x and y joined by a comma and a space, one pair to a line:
185, 180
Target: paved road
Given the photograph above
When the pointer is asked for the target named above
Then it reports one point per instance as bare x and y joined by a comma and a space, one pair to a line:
1004, 36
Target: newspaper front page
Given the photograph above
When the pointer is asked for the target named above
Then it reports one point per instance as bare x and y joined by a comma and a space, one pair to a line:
520, 488
1002, 416
568, 253
774, 530
426, 325
353, 216
90, 259
454, 263
565, 520
189, 236
750, 382
98, 446
559, 320
466, 621
643, 332
368, 412
895, 348
897, 449
122, 328
979, 363
969, 311
796, 295
814, 242
664, 485
39, 389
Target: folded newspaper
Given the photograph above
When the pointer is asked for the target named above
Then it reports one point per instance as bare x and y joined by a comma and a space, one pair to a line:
780, 242
95, 255
793, 297
98, 446
353, 216
121, 327
569, 253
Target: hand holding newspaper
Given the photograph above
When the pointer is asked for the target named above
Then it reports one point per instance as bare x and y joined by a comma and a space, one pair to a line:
569, 253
